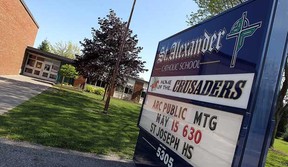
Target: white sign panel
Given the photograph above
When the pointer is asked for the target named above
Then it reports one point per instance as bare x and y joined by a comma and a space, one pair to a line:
191, 131
228, 90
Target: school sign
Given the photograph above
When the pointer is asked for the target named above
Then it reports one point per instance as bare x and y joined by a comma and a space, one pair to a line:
213, 90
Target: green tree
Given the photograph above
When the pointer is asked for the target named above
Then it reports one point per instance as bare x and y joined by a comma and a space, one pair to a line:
68, 71
100, 53
209, 8
281, 107
283, 124
65, 49
45, 46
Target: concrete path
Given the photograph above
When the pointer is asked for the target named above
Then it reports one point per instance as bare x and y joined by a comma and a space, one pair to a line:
24, 154
15, 89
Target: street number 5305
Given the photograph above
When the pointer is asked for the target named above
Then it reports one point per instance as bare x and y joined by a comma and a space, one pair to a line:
163, 156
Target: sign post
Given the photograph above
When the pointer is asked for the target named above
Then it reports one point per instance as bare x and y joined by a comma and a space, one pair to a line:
213, 90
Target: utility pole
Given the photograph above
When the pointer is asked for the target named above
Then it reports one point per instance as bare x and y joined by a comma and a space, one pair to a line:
111, 89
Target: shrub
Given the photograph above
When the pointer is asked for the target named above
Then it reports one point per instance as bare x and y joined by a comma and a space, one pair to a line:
96, 90
99, 91
90, 88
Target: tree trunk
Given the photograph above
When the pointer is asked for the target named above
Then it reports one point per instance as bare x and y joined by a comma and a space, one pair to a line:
278, 116
106, 87
63, 78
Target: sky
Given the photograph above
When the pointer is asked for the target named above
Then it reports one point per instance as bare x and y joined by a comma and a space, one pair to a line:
72, 20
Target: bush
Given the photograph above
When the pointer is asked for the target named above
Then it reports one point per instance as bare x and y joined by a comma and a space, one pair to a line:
96, 90
99, 91
90, 88
285, 135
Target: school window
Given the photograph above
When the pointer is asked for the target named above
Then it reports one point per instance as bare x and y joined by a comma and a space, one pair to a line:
128, 90
143, 94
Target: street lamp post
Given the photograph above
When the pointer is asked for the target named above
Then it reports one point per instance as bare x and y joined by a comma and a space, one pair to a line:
118, 61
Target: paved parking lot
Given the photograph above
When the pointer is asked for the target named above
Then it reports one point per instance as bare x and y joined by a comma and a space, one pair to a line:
23, 154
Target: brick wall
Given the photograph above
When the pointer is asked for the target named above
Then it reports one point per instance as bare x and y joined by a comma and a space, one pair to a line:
18, 30
80, 82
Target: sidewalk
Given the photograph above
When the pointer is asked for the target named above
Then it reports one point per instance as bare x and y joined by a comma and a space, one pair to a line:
24, 154
16, 89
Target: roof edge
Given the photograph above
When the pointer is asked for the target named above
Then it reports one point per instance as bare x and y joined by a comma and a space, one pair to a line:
29, 12
138, 79
49, 55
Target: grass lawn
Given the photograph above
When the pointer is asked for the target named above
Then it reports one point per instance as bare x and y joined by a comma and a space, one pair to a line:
74, 120
278, 156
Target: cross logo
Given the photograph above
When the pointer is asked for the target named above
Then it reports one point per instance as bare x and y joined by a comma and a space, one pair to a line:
240, 30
